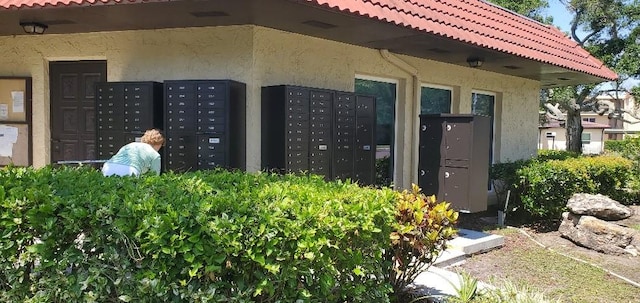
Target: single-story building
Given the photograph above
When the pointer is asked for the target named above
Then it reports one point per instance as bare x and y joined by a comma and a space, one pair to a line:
553, 134
455, 56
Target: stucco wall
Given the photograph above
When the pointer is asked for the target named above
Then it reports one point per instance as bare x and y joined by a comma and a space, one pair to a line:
284, 58
154, 55
260, 56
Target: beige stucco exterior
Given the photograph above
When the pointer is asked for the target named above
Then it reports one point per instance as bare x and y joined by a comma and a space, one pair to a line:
261, 56
555, 138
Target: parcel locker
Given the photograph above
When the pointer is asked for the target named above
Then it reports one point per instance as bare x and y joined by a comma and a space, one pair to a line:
454, 159
124, 111
205, 122
286, 128
354, 130
311, 130
365, 142
344, 131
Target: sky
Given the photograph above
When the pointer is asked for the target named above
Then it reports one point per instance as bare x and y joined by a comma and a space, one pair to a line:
561, 17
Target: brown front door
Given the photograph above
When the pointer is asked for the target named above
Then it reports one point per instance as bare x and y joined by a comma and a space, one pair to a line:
73, 124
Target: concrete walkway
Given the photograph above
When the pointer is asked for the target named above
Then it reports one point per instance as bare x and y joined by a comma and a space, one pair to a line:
441, 282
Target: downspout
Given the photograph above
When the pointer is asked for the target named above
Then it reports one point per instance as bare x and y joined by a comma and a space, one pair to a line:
408, 68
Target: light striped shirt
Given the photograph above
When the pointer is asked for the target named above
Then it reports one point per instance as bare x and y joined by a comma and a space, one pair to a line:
140, 156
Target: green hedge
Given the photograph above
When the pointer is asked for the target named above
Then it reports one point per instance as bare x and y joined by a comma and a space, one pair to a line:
72, 235
545, 186
628, 148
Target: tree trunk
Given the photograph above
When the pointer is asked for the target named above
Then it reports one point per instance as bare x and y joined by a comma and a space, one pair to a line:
574, 129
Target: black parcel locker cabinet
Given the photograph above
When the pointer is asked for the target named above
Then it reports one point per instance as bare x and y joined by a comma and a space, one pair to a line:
365, 141
124, 111
454, 159
205, 124
288, 114
318, 131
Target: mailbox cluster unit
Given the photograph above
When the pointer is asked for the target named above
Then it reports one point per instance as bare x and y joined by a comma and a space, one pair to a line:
318, 131
454, 159
124, 111
204, 124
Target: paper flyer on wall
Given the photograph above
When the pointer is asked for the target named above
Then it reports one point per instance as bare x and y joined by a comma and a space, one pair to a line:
18, 101
8, 137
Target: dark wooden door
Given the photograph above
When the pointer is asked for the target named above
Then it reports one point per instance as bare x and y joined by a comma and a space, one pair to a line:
73, 125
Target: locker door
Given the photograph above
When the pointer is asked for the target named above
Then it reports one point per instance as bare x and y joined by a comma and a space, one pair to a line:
212, 151
458, 139
430, 180
110, 107
431, 139
181, 106
430, 149
138, 107
365, 162
109, 143
181, 152
296, 100
320, 132
456, 187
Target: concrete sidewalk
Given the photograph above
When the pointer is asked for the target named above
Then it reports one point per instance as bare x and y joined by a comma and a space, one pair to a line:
439, 281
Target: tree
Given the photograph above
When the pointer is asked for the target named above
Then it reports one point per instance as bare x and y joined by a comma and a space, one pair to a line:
609, 30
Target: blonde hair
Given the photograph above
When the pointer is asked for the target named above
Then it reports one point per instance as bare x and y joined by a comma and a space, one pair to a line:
152, 137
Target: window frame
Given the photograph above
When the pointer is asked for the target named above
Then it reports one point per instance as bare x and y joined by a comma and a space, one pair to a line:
493, 118
436, 86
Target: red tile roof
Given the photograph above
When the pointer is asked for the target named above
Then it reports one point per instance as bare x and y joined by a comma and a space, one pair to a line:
585, 124
482, 24
44, 3
470, 21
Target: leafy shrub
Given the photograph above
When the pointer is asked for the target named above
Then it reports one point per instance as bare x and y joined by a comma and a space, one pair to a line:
72, 235
545, 186
421, 230
628, 148
504, 177
550, 154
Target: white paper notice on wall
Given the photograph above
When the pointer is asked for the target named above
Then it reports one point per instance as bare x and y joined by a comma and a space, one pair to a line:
8, 137
4, 111
18, 101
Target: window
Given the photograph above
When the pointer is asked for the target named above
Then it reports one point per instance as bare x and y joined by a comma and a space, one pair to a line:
484, 104
586, 138
435, 100
589, 120
385, 91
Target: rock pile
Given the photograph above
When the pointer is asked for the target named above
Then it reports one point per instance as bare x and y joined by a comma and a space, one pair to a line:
593, 221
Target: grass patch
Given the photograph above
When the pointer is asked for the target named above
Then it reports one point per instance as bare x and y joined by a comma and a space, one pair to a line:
558, 277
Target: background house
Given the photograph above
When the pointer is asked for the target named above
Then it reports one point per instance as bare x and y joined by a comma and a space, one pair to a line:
428, 57
553, 134
628, 125
597, 128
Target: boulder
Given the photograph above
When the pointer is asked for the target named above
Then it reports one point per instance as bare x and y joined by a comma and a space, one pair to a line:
597, 234
599, 206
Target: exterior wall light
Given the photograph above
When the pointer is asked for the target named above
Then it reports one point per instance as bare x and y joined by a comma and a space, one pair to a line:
33, 28
475, 62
